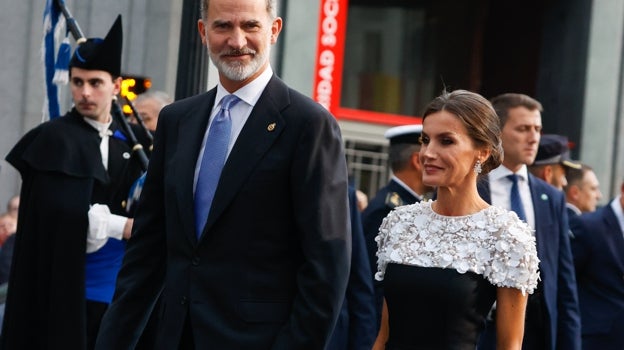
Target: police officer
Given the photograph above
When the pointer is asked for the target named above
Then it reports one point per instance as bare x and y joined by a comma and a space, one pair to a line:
552, 159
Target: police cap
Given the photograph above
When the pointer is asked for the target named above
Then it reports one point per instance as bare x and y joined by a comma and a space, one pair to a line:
553, 149
404, 134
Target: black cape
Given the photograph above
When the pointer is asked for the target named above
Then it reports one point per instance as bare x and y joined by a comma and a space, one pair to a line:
62, 174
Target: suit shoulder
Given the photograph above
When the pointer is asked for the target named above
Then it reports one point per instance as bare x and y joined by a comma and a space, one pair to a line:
303, 102
542, 185
587, 226
384, 200
595, 218
290, 100
393, 200
546, 190
189, 103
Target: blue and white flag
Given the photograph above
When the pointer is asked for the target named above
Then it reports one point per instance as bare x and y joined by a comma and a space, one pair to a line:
135, 193
56, 52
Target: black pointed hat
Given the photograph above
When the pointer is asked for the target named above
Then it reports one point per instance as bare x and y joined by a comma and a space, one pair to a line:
101, 54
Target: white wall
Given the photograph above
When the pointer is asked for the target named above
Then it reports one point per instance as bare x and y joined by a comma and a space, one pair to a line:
602, 147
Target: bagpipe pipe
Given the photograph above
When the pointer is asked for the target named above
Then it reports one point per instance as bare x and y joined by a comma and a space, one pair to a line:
117, 113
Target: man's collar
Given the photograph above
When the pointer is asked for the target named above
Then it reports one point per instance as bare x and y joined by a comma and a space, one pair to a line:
574, 208
102, 128
406, 187
251, 92
503, 171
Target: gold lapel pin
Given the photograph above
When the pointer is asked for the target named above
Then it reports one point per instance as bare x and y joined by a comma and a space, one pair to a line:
271, 127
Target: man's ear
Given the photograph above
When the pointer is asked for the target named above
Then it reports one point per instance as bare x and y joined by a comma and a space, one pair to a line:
117, 85
415, 160
201, 27
572, 192
548, 173
276, 28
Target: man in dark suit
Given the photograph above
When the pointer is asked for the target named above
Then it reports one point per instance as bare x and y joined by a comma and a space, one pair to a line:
552, 316
405, 187
582, 191
268, 267
598, 250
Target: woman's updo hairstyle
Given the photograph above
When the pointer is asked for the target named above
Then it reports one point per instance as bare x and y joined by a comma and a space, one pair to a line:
479, 118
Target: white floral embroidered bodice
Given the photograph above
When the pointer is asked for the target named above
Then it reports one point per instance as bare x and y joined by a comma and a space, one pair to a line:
440, 273
493, 243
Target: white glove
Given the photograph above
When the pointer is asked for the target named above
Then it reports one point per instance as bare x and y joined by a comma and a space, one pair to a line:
102, 225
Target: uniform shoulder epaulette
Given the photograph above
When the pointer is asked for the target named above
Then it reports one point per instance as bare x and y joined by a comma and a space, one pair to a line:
393, 200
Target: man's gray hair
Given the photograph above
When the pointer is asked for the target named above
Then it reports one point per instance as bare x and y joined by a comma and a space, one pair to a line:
162, 97
270, 7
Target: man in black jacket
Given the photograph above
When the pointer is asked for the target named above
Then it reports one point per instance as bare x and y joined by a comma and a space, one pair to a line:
76, 173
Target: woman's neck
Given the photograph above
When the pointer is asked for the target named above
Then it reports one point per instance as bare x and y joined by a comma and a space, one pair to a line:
458, 202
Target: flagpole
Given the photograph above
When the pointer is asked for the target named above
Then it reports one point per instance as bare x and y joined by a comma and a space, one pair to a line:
72, 25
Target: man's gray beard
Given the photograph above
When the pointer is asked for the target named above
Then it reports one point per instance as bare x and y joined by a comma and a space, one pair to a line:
239, 71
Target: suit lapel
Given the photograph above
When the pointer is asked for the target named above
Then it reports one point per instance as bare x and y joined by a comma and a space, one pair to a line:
191, 130
262, 128
613, 228
541, 209
118, 152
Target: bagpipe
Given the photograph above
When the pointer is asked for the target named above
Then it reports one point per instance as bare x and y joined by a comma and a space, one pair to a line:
117, 113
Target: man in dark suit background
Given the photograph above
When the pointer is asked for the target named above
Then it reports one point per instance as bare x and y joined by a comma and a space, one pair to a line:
270, 266
552, 316
598, 250
583, 190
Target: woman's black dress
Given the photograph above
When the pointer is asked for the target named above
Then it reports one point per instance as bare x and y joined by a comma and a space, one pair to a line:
440, 273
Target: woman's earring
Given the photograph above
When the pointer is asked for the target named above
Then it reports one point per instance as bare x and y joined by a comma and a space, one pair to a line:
477, 167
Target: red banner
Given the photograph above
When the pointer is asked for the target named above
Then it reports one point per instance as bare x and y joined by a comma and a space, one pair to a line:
330, 53
329, 63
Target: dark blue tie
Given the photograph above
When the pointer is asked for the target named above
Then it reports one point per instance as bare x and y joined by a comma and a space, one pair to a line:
516, 201
212, 162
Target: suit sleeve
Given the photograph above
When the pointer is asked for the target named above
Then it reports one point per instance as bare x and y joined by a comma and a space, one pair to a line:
360, 294
141, 277
371, 220
569, 319
319, 189
579, 244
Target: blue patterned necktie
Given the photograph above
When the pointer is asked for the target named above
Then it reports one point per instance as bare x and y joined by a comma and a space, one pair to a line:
212, 162
516, 201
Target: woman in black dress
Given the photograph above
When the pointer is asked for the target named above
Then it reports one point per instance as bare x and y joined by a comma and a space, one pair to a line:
445, 262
